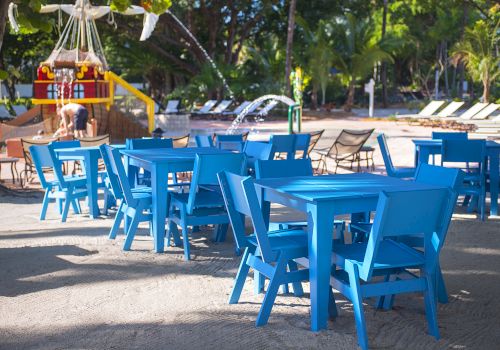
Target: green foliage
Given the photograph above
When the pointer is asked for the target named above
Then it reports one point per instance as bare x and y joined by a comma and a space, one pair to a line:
478, 52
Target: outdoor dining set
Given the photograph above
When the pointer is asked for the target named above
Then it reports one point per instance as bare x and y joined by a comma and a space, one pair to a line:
391, 244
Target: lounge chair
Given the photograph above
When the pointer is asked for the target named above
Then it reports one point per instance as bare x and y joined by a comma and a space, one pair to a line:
471, 112
267, 108
344, 149
238, 109
485, 113
172, 107
221, 107
425, 113
205, 108
449, 110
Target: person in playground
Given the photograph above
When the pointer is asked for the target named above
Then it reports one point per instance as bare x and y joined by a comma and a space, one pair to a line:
78, 116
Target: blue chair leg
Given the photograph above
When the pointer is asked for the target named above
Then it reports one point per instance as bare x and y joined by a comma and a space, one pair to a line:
241, 276
332, 305
75, 205
271, 292
67, 203
297, 286
185, 235
117, 222
45, 204
442, 293
258, 280
357, 301
431, 307
132, 229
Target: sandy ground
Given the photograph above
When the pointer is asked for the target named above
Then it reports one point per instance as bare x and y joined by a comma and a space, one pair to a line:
66, 286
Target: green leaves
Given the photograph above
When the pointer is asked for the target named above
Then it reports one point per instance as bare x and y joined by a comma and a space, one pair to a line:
3, 75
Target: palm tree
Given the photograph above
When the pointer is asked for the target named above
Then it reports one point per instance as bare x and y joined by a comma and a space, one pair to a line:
319, 57
477, 51
356, 53
289, 45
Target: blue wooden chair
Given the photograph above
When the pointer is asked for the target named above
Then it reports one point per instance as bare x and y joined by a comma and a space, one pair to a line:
302, 143
431, 175
113, 183
283, 144
255, 150
147, 143
230, 142
204, 141
399, 214
203, 205
135, 204
268, 253
43, 160
469, 152
391, 170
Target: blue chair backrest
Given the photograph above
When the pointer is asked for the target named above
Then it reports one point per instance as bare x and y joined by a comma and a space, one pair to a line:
112, 177
439, 135
205, 170
284, 144
471, 151
41, 159
65, 144
204, 141
302, 142
225, 138
410, 213
389, 166
148, 143
283, 168
57, 165
236, 205
258, 150
118, 170
241, 200
440, 176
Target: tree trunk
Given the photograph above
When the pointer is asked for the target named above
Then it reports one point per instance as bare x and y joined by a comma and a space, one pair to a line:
445, 62
323, 95
289, 46
350, 97
314, 97
383, 73
486, 91
461, 68
4, 7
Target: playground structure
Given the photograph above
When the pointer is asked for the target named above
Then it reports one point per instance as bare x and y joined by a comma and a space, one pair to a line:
76, 71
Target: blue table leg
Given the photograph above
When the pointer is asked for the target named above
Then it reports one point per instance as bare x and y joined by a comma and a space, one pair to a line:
159, 179
320, 223
494, 181
91, 163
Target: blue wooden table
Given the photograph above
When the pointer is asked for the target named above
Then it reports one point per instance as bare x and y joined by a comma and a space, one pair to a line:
425, 147
160, 162
90, 157
323, 197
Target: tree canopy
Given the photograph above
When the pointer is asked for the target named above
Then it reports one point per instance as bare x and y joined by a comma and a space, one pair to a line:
411, 48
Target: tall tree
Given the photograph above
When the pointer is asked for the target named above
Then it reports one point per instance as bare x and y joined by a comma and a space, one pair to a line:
478, 52
289, 45
383, 73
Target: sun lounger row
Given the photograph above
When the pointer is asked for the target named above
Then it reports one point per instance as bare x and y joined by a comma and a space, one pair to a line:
211, 107
479, 111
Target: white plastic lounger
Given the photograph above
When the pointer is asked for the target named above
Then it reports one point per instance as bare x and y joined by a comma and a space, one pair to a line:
486, 112
425, 113
221, 107
172, 107
267, 108
206, 107
471, 112
238, 109
450, 109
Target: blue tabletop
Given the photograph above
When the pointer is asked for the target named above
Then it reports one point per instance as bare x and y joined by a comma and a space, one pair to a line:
85, 149
431, 142
164, 154
328, 187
